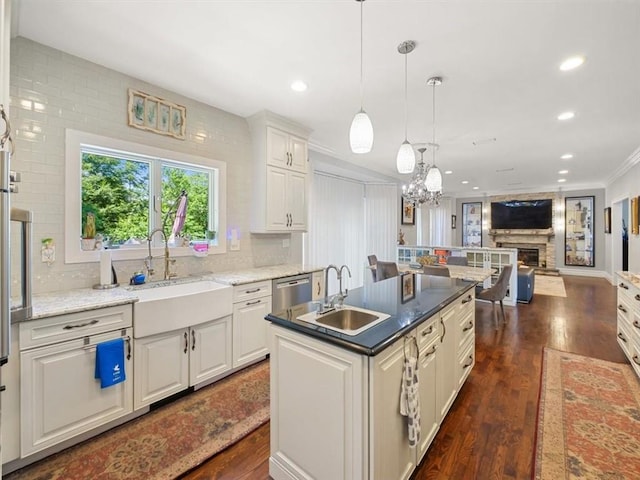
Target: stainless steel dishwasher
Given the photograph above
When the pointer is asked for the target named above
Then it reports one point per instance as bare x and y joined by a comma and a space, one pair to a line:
289, 291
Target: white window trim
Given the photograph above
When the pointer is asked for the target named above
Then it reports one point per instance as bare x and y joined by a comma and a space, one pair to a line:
75, 140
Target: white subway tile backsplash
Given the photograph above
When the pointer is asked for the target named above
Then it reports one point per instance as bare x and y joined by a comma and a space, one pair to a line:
52, 91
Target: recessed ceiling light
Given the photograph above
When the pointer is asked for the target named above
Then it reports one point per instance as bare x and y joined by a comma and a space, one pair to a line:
562, 180
571, 63
563, 172
567, 156
464, 182
448, 172
298, 86
476, 188
566, 116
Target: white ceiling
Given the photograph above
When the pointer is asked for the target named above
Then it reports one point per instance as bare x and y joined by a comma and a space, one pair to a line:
499, 61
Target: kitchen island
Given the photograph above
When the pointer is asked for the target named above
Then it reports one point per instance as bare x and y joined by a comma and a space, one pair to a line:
335, 397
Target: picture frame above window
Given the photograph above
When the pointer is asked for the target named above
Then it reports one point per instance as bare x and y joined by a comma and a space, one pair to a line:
154, 114
407, 212
579, 231
607, 220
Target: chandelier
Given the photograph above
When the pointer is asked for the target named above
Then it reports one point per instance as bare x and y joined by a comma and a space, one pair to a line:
416, 192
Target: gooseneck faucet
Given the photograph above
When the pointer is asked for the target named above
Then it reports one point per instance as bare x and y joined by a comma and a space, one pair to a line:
344, 294
327, 305
149, 260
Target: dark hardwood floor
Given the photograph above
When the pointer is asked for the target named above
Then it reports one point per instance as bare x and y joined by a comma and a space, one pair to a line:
489, 432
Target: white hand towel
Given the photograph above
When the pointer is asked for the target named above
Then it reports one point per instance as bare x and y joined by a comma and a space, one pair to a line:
410, 399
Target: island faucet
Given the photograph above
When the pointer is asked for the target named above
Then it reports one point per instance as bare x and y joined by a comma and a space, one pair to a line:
327, 305
344, 294
167, 260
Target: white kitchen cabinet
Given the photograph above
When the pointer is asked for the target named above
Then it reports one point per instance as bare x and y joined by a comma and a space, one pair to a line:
252, 302
280, 182
286, 202
391, 456
286, 151
210, 354
318, 409
10, 419
60, 397
446, 360
167, 363
317, 387
629, 317
161, 367
317, 288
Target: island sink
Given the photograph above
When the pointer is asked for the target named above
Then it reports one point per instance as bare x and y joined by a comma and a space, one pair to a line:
348, 320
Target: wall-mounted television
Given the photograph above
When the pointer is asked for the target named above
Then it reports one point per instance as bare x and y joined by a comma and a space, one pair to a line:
522, 214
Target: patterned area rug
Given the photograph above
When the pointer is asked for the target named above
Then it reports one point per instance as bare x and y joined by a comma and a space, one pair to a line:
170, 440
588, 419
547, 285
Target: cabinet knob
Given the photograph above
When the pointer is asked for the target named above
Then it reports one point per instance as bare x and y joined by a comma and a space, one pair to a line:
623, 286
636, 360
621, 337
621, 308
467, 365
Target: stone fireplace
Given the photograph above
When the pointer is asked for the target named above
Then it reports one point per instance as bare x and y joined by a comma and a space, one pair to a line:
528, 241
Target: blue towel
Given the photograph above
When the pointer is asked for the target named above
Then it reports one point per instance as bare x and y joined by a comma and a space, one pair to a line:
110, 362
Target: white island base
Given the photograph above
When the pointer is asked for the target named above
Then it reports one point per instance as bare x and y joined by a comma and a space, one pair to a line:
335, 413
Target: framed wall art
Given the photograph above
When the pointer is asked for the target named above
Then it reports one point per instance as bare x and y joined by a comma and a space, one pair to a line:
579, 231
407, 287
157, 115
408, 213
607, 220
634, 215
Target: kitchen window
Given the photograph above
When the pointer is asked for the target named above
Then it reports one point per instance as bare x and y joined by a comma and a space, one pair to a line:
129, 190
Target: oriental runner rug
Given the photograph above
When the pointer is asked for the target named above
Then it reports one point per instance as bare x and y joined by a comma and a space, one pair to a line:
546, 285
588, 423
170, 440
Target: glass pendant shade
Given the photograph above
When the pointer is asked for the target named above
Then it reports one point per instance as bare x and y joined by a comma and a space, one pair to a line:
433, 182
406, 159
361, 133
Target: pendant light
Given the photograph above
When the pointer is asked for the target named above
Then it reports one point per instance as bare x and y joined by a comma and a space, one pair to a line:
406, 158
433, 181
361, 132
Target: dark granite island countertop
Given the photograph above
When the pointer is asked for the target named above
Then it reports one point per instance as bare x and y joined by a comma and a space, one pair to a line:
432, 294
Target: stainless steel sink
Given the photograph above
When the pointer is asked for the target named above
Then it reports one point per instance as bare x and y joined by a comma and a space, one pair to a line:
348, 320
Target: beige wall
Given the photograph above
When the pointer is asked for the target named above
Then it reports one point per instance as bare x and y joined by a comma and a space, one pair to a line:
51, 91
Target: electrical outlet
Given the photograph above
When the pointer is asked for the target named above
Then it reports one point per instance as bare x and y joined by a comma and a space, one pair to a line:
286, 242
48, 253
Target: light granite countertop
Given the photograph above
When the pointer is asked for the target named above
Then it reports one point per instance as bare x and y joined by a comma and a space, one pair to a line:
71, 301
633, 278
239, 277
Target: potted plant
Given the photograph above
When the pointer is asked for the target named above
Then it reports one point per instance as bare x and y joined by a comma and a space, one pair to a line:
89, 233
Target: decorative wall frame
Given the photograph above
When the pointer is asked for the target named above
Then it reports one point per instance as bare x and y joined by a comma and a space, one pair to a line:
407, 287
579, 231
634, 215
607, 220
157, 115
453, 222
407, 213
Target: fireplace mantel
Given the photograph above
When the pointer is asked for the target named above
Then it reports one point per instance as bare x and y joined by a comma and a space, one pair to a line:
547, 232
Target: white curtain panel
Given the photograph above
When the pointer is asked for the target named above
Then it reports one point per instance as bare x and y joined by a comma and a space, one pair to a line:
336, 227
440, 223
381, 221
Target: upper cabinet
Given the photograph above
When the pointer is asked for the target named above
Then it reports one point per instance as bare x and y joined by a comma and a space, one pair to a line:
280, 160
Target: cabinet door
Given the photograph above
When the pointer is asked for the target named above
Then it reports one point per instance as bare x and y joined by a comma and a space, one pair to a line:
277, 211
250, 330
392, 458
161, 367
318, 409
297, 200
60, 396
317, 279
210, 353
298, 152
429, 415
446, 361
278, 153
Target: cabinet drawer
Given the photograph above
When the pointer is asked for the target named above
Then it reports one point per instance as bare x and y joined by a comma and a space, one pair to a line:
50, 330
467, 330
625, 339
250, 291
427, 331
466, 361
625, 310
